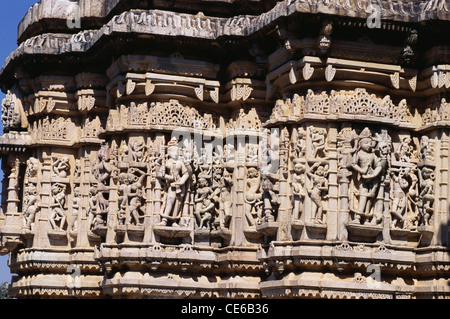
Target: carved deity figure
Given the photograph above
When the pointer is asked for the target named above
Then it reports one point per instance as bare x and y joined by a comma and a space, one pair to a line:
123, 153
370, 168
405, 150
426, 151
319, 186
10, 112
252, 156
135, 207
426, 196
122, 191
61, 166
204, 204
270, 195
93, 219
73, 224
137, 150
298, 189
444, 110
399, 199
253, 197
32, 168
413, 215
58, 201
132, 194
102, 172
318, 140
269, 183
77, 172
300, 147
30, 205
383, 169
228, 151
175, 173
225, 199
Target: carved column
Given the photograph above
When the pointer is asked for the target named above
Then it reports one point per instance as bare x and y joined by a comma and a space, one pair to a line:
443, 190
238, 237
13, 221
12, 203
4, 196
85, 236
283, 219
344, 150
41, 238
149, 201
157, 190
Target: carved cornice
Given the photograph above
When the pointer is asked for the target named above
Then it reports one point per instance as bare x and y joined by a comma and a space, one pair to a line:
405, 11
159, 22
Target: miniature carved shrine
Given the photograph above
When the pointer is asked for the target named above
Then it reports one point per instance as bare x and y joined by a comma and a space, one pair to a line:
228, 149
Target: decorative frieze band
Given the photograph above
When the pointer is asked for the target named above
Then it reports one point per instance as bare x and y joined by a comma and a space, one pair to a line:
356, 103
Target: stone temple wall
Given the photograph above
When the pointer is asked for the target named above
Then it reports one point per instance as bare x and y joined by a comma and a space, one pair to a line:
228, 149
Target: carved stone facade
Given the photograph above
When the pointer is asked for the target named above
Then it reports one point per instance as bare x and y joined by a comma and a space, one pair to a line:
290, 151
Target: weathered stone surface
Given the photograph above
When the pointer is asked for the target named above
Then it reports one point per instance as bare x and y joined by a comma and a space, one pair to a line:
228, 149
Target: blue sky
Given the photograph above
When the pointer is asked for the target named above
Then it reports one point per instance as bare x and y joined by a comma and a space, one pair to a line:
10, 15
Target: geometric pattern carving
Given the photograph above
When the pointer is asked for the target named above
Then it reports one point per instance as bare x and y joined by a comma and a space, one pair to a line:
172, 113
